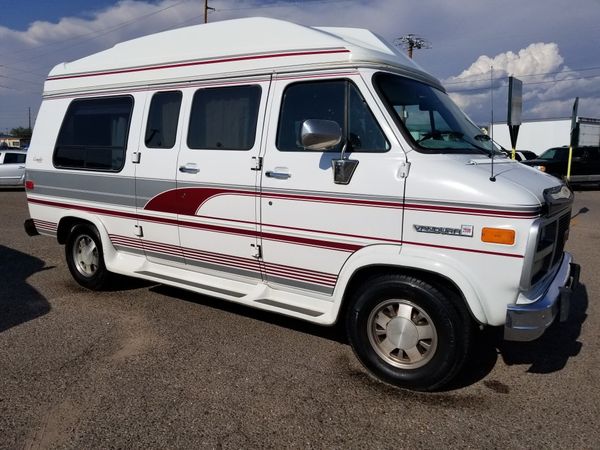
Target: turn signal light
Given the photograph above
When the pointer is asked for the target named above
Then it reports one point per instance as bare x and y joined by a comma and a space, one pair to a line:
498, 236
542, 168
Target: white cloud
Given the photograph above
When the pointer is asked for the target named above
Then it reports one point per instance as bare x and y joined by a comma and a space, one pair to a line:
549, 87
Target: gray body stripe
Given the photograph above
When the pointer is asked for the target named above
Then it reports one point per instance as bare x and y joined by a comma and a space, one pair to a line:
189, 283
120, 190
147, 188
298, 309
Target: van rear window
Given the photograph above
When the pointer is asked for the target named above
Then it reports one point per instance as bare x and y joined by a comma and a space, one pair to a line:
94, 133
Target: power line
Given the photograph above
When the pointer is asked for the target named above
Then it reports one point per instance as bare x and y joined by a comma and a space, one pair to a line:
523, 76
97, 33
286, 5
485, 88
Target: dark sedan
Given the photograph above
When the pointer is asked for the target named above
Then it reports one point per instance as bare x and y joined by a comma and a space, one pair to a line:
585, 165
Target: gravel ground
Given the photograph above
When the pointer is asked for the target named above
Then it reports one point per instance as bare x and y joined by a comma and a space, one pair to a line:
147, 366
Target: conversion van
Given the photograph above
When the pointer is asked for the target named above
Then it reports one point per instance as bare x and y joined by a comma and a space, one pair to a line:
311, 172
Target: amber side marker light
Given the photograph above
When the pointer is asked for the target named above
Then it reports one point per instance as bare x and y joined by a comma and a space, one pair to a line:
498, 236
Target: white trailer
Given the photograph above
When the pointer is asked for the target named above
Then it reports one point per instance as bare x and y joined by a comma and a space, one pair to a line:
535, 135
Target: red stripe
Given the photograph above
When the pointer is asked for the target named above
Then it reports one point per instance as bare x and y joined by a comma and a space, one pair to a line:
339, 246
200, 63
473, 211
463, 249
188, 201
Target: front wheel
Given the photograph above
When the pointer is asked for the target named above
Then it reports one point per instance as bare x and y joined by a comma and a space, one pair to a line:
408, 332
83, 251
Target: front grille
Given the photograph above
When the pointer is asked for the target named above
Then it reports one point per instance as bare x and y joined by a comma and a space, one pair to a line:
550, 246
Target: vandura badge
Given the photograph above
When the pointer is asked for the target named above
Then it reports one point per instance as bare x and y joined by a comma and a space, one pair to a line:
464, 230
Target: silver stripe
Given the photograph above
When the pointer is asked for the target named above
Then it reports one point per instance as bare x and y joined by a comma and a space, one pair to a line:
189, 283
124, 248
298, 309
147, 188
221, 268
110, 189
300, 284
165, 256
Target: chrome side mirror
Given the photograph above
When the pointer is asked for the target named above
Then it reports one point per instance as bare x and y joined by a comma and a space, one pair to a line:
319, 134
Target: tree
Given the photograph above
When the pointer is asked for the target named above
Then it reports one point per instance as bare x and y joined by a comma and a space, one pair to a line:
21, 132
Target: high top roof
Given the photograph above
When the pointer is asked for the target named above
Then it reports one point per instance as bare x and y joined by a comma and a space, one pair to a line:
229, 47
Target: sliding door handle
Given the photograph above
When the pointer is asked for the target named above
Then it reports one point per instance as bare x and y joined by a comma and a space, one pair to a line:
189, 168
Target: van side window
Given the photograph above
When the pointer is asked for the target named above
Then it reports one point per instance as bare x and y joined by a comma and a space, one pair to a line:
337, 100
163, 117
93, 135
224, 118
14, 158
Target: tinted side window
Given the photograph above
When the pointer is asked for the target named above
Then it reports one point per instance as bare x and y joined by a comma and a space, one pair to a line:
163, 117
313, 100
94, 133
224, 118
337, 100
14, 158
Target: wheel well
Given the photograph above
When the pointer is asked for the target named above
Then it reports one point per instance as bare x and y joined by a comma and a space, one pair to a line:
66, 224
439, 281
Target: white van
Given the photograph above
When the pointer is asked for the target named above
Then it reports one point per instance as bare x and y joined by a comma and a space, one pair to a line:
312, 172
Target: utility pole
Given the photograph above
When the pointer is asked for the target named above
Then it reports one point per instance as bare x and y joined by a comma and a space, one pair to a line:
411, 42
206, 8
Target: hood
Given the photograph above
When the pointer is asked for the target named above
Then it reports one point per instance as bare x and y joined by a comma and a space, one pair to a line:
466, 179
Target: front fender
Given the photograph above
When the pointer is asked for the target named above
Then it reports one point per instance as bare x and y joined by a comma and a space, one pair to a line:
423, 259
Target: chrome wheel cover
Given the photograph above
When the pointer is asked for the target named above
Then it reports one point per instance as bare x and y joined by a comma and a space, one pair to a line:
85, 256
402, 334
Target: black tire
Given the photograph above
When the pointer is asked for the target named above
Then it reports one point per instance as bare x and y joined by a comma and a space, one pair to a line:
85, 258
408, 332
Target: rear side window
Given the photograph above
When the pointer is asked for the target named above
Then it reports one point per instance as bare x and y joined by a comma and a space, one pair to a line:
161, 129
14, 158
94, 133
224, 118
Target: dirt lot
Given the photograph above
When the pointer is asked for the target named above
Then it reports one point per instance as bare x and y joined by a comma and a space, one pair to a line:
146, 366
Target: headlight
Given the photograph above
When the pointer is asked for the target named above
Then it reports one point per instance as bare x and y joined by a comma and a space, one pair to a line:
542, 168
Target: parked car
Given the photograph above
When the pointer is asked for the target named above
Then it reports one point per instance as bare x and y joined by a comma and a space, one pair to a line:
520, 155
585, 165
12, 167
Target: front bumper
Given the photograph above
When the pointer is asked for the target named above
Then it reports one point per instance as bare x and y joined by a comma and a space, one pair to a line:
527, 322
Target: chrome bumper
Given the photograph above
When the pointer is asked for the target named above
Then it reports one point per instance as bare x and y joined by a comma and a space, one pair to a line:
527, 322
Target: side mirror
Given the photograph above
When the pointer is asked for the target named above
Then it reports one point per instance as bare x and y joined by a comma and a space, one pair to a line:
319, 134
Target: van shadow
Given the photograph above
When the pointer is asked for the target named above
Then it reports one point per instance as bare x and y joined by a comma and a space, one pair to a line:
547, 354
19, 302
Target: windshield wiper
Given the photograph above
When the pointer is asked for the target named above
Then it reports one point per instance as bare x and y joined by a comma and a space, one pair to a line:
479, 137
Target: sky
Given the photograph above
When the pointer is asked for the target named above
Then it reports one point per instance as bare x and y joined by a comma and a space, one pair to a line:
475, 45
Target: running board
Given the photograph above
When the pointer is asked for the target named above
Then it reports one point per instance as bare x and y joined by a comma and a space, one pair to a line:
297, 309
191, 283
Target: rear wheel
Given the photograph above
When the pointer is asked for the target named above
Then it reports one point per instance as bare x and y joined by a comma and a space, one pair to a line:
408, 332
83, 251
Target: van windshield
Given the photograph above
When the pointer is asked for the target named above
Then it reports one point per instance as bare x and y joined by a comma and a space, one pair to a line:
433, 121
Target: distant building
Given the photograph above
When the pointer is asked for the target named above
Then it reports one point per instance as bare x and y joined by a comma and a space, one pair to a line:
6, 140
540, 135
